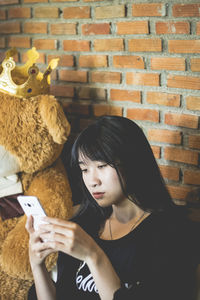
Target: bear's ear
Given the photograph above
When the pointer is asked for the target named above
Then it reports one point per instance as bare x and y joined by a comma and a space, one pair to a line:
54, 118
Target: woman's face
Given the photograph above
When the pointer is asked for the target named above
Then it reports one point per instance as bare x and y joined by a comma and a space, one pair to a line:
102, 182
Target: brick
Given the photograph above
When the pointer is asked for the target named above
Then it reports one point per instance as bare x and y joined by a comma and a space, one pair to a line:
92, 29
148, 10
40, 60
10, 27
2, 14
92, 0
193, 103
73, 76
2, 43
128, 61
46, 12
178, 192
64, 0
113, 11
146, 79
7, 2
19, 12
76, 108
198, 28
135, 27
168, 63
156, 151
145, 45
186, 10
20, 42
194, 141
165, 136
166, 99
183, 82
182, 120
45, 44
35, 27
64, 60
74, 45
125, 95
181, 155
108, 45
192, 177
92, 93
143, 114
93, 61
63, 28
172, 28
184, 46
106, 77
169, 172
82, 12
100, 110
195, 64
62, 91
35, 1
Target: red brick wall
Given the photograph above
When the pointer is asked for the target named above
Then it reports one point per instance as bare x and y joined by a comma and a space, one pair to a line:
131, 58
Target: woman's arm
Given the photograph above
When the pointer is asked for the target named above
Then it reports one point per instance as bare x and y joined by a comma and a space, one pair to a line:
105, 277
198, 283
45, 288
44, 285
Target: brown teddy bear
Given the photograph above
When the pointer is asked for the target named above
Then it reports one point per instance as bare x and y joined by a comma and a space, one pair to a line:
32, 133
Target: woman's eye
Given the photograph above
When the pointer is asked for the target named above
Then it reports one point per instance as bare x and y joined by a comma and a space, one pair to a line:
102, 166
83, 170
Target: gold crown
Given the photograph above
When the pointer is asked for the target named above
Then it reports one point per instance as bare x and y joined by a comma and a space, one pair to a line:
26, 80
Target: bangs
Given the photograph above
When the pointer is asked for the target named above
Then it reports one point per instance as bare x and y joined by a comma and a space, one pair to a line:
94, 153
93, 145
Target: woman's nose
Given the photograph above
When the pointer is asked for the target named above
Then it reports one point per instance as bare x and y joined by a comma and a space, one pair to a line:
94, 179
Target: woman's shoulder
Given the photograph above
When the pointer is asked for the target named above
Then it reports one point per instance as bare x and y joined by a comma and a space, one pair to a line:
177, 218
172, 224
181, 228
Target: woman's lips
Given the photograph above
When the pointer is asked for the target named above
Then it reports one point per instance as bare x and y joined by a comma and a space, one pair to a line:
98, 195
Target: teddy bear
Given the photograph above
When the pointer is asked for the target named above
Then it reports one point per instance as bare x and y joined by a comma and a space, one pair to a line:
33, 131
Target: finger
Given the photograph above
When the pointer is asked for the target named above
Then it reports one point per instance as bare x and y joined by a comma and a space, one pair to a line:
44, 252
57, 221
29, 224
35, 236
55, 237
41, 246
59, 247
57, 229
53, 246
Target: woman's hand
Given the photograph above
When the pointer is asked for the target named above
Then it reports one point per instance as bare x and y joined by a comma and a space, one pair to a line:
38, 250
70, 238
65, 236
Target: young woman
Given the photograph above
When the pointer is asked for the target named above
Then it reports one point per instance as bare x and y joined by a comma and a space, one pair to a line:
127, 240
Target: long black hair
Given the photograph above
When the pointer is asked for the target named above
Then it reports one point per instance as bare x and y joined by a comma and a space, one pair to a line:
122, 144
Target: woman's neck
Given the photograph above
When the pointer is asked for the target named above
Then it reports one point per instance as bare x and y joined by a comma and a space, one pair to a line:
126, 216
126, 211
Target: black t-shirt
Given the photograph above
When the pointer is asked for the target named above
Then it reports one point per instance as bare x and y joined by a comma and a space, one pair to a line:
157, 260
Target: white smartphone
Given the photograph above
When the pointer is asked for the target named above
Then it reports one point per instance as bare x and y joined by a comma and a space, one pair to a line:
32, 206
